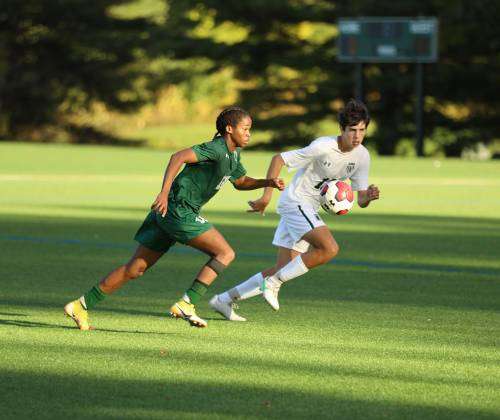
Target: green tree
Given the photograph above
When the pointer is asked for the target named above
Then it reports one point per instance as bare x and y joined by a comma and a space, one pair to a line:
292, 79
58, 56
285, 86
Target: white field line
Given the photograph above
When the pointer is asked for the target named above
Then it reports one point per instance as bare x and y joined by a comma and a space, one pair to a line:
429, 182
77, 178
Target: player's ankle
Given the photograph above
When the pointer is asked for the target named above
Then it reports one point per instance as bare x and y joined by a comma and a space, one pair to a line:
225, 298
274, 281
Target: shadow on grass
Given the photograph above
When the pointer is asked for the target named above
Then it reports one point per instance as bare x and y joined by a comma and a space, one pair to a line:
27, 395
11, 314
424, 224
31, 324
399, 267
52, 304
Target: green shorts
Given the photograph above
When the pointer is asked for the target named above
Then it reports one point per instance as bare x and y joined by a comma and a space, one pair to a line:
180, 224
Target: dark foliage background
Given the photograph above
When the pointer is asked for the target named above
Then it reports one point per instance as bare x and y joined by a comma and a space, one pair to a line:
60, 56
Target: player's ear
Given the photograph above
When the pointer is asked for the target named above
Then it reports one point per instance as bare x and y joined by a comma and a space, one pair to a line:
229, 129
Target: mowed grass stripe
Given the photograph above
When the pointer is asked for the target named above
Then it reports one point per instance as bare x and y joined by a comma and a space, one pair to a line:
63, 178
256, 255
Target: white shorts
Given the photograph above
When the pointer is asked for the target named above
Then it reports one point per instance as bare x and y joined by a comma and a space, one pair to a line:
295, 222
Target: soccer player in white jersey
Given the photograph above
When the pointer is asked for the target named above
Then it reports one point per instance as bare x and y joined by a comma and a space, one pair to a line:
302, 238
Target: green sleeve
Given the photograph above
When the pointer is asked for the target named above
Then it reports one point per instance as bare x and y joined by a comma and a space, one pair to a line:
206, 151
238, 172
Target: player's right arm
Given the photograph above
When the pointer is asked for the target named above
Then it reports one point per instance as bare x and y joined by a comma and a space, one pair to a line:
293, 159
273, 172
178, 159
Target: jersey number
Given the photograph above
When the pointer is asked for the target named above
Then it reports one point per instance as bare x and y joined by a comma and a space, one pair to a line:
222, 182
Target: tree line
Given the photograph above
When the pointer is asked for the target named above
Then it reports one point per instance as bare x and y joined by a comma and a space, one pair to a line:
59, 56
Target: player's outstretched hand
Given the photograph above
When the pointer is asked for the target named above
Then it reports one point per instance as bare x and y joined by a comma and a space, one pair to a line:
373, 192
258, 206
277, 183
161, 204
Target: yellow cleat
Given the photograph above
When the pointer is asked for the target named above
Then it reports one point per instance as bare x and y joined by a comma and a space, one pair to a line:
79, 314
186, 311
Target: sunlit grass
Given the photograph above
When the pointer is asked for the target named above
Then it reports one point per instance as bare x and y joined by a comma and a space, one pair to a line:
403, 324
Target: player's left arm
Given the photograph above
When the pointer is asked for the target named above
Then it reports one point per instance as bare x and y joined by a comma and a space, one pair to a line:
359, 182
365, 197
246, 183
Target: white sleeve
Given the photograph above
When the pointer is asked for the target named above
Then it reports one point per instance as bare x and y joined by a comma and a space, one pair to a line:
295, 159
359, 180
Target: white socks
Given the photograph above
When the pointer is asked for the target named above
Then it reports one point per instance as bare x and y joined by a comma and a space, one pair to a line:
249, 288
294, 268
252, 287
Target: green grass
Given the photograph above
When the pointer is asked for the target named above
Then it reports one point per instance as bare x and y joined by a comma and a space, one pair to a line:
404, 324
177, 136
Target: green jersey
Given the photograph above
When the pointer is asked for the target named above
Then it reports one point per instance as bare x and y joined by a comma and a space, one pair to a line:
199, 182
192, 188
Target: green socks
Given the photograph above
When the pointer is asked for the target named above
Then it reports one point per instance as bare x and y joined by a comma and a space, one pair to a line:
93, 297
196, 291
192, 295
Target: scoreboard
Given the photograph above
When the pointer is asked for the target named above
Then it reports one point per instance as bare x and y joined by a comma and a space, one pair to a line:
387, 40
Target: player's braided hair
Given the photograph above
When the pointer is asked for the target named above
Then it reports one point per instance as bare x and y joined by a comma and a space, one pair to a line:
353, 113
229, 116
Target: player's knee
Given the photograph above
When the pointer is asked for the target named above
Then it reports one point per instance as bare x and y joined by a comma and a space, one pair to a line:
332, 251
227, 257
329, 252
134, 271
231, 255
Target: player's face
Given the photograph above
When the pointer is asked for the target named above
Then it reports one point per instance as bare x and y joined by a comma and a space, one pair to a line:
353, 135
241, 133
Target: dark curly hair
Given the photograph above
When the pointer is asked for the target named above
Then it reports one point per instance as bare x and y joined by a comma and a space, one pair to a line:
229, 116
353, 113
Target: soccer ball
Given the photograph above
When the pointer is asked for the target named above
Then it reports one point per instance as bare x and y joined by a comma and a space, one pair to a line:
336, 197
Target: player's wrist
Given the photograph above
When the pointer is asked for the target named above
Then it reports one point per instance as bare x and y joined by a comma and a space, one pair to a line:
269, 183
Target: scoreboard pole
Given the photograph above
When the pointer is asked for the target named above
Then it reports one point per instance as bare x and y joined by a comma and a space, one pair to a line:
419, 106
359, 82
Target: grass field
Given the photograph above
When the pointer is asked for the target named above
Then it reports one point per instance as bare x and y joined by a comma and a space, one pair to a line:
404, 324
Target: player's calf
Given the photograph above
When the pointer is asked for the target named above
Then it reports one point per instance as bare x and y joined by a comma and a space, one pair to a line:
272, 284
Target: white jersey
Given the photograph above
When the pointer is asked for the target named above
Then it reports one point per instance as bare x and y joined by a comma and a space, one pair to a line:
322, 161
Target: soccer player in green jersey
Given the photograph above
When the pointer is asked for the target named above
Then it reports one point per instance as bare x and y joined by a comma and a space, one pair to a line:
175, 217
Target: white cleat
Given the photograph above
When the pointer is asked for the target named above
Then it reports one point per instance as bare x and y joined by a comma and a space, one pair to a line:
226, 309
270, 288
